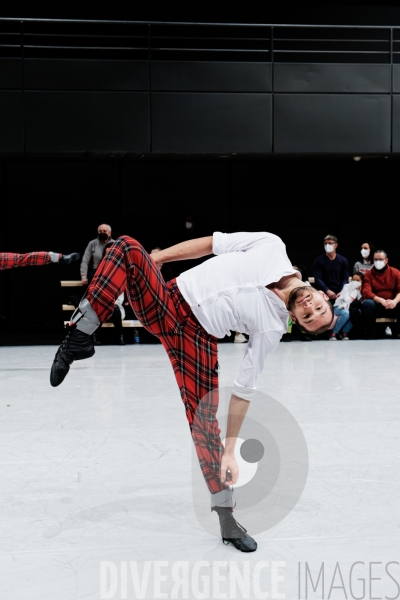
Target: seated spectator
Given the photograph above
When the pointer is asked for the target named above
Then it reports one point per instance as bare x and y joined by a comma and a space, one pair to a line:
381, 293
93, 254
331, 270
350, 292
365, 264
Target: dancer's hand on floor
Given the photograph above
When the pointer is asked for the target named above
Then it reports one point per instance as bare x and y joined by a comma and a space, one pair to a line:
228, 463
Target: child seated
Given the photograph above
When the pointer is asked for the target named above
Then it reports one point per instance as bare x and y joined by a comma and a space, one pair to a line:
350, 292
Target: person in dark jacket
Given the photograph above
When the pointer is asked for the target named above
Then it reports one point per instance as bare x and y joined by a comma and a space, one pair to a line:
331, 270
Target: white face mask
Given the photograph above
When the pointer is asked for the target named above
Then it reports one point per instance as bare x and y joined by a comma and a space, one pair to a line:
329, 248
364, 252
357, 284
379, 264
188, 225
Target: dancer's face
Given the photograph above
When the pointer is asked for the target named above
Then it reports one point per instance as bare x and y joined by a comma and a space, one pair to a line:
310, 309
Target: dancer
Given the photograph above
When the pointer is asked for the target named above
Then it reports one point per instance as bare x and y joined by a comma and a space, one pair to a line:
248, 286
10, 260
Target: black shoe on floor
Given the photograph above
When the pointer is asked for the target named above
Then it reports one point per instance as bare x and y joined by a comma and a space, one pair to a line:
69, 258
232, 532
76, 346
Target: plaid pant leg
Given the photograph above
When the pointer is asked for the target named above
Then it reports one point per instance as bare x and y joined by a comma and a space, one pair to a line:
194, 357
194, 360
10, 260
192, 352
128, 267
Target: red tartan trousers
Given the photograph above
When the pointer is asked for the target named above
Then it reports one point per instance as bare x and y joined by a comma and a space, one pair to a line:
193, 353
9, 260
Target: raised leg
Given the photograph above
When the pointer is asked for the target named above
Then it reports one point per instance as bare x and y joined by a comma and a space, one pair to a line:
11, 260
128, 267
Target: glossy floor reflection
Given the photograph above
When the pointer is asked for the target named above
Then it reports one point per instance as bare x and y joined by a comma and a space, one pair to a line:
99, 470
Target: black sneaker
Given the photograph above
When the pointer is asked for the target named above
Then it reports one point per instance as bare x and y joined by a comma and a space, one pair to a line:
69, 258
232, 532
76, 346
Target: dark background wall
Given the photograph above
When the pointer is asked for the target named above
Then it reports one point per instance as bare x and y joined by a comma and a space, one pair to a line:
49, 204
141, 139
103, 87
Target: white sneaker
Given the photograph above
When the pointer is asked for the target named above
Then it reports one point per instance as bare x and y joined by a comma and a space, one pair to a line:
388, 331
239, 338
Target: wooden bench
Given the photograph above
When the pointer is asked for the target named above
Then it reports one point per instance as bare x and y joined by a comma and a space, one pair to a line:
385, 320
71, 283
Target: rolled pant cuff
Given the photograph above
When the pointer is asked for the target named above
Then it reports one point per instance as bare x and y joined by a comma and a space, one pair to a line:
223, 498
85, 318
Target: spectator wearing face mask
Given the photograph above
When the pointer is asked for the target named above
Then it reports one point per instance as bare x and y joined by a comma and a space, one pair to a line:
351, 292
331, 270
366, 263
381, 293
93, 254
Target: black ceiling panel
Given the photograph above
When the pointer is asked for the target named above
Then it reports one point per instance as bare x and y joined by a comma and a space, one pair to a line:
210, 76
332, 123
211, 122
11, 121
340, 78
396, 123
10, 73
82, 74
87, 121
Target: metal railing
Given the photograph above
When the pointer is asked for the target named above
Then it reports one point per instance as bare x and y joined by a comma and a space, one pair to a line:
137, 40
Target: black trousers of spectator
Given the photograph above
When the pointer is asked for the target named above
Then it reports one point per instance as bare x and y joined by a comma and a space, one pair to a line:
356, 314
116, 318
371, 310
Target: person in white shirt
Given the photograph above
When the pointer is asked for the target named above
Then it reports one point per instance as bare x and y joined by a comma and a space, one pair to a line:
350, 292
250, 286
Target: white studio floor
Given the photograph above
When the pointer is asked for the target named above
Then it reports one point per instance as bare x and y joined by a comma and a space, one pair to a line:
95, 475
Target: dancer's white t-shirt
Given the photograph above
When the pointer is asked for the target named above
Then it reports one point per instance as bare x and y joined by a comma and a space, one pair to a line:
227, 293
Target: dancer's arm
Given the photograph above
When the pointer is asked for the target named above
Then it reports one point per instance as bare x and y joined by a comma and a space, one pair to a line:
236, 413
191, 249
